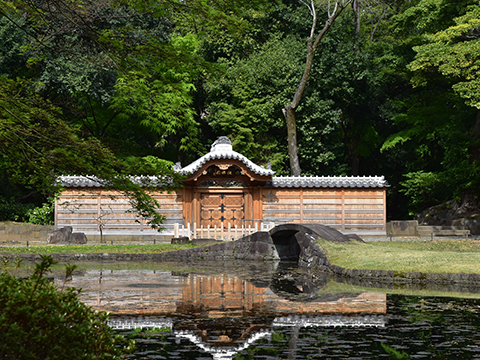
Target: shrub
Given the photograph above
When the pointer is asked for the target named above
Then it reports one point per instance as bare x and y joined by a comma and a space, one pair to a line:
39, 321
42, 215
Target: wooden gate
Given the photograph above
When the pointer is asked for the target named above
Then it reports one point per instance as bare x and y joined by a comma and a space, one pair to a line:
222, 208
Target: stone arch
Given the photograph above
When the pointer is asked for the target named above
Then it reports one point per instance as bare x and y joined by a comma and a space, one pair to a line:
295, 242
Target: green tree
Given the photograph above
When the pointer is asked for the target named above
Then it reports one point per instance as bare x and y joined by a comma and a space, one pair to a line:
37, 145
313, 40
441, 113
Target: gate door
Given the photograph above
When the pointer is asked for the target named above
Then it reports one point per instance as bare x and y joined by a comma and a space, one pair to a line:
222, 208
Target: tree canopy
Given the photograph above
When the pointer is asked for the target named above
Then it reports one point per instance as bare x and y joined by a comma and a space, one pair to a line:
112, 88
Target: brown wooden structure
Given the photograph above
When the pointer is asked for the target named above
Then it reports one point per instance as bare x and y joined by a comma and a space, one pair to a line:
225, 189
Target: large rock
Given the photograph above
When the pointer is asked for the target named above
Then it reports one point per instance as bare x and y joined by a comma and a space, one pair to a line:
66, 236
60, 235
78, 238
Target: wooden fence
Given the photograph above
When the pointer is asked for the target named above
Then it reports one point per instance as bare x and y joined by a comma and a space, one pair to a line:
219, 233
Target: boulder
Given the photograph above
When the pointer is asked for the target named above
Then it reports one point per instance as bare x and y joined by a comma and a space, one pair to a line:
181, 240
78, 238
60, 235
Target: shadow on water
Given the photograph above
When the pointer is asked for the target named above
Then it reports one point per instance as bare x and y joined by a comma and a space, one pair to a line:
247, 310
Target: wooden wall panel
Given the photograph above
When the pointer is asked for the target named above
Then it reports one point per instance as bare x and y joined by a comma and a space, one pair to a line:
86, 209
343, 209
364, 209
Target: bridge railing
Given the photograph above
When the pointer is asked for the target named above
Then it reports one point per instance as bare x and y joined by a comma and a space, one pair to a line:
225, 233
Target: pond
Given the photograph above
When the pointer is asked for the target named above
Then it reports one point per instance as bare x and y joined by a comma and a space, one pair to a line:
276, 311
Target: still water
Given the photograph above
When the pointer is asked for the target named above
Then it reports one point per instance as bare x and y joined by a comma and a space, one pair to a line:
277, 311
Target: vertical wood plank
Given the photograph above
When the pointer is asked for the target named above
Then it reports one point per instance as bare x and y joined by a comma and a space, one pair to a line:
257, 204
55, 215
301, 205
248, 206
384, 209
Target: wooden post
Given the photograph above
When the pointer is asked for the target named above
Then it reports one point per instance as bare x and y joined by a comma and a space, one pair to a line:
222, 237
201, 231
229, 234
215, 232
188, 230
343, 209
175, 230
194, 230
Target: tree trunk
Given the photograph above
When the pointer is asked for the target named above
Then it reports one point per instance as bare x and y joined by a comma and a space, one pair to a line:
289, 114
289, 110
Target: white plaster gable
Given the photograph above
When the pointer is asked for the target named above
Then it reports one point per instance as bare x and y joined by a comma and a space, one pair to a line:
222, 149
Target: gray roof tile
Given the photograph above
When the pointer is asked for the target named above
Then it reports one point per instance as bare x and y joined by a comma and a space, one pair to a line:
329, 181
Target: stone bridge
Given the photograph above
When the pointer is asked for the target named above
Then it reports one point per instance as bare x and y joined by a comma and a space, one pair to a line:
287, 242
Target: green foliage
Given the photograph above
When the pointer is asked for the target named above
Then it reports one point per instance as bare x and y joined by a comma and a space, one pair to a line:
422, 188
38, 146
453, 51
437, 119
38, 321
14, 211
246, 101
148, 165
160, 93
394, 354
42, 215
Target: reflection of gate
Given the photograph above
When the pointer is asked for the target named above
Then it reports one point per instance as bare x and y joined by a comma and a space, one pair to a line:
222, 208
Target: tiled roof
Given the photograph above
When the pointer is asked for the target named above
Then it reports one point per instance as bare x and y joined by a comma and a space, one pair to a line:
277, 181
222, 149
92, 181
328, 181
80, 181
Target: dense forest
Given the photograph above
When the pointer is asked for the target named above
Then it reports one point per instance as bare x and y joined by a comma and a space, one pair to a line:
112, 88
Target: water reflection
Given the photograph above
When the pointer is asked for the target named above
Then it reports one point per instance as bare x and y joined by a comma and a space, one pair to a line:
223, 311
249, 310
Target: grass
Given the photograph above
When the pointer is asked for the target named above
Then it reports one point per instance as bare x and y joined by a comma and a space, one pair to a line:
88, 249
444, 256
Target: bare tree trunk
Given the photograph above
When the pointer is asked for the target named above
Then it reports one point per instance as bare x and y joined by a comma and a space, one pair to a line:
289, 114
312, 44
